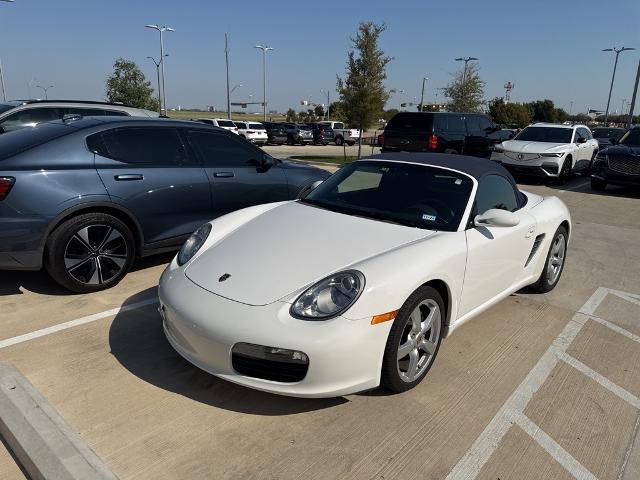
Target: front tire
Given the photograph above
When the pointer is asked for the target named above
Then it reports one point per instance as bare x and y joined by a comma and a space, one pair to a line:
598, 185
339, 141
554, 264
90, 252
414, 340
565, 171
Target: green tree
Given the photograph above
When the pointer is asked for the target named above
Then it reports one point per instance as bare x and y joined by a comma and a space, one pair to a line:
319, 111
466, 90
509, 114
389, 114
127, 84
336, 112
362, 90
543, 111
292, 116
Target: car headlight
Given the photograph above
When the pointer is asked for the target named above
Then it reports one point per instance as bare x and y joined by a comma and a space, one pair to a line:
329, 297
555, 155
193, 244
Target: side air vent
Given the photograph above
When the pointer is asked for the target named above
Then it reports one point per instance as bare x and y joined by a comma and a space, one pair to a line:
534, 249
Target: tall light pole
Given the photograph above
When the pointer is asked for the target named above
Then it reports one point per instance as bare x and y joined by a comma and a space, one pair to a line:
162, 29
464, 72
226, 61
157, 64
613, 76
633, 98
424, 79
328, 104
264, 49
4, 95
45, 90
570, 107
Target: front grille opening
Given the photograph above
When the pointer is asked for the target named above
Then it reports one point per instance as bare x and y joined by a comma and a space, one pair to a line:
269, 363
534, 249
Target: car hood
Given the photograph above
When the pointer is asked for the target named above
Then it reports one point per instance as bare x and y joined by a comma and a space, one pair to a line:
534, 147
289, 247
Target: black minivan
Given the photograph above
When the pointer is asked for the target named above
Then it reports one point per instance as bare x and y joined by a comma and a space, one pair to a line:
444, 132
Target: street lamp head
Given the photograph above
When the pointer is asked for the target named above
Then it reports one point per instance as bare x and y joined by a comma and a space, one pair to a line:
157, 27
459, 59
169, 29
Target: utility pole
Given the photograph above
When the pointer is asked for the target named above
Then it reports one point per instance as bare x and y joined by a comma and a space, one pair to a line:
424, 79
157, 64
226, 58
4, 95
162, 29
633, 98
617, 51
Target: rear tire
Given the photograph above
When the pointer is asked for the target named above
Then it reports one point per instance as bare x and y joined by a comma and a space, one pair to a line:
417, 330
554, 263
90, 252
339, 141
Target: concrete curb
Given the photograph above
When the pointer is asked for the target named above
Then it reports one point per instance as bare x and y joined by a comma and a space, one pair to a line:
38, 436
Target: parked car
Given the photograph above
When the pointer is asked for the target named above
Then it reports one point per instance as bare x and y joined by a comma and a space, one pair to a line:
252, 131
300, 134
276, 133
607, 135
442, 132
355, 285
618, 164
85, 197
341, 134
548, 150
322, 134
503, 134
29, 113
219, 122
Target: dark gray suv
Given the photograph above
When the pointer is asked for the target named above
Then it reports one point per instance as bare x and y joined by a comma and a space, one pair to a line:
85, 196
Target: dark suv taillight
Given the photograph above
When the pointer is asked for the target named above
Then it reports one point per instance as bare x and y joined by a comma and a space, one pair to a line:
6, 184
433, 142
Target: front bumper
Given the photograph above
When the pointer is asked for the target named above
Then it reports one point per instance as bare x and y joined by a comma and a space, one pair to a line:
345, 356
539, 167
614, 178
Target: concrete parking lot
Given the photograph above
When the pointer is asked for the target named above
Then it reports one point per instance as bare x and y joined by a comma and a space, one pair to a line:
539, 386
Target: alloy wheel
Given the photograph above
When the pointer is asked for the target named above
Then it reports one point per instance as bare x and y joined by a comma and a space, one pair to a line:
419, 341
95, 254
556, 258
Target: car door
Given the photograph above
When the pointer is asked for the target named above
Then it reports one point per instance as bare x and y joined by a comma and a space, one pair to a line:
476, 143
585, 149
235, 168
148, 171
496, 256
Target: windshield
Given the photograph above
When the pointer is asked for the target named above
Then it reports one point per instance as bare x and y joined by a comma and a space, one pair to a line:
256, 126
226, 123
545, 134
607, 132
632, 137
407, 194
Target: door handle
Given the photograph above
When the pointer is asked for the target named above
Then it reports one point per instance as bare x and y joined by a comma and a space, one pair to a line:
223, 174
129, 176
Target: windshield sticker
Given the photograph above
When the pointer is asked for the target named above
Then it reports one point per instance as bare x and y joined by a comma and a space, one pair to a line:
431, 218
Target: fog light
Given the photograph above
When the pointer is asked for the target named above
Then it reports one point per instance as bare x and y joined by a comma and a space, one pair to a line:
270, 353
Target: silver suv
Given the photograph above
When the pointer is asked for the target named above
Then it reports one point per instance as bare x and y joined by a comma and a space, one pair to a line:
18, 114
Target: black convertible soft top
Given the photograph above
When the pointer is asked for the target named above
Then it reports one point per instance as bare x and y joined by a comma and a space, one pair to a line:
472, 166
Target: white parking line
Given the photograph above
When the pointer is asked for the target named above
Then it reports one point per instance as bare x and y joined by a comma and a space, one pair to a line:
575, 187
74, 323
469, 466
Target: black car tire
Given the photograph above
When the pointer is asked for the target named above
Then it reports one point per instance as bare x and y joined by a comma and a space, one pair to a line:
565, 171
351, 144
339, 141
587, 171
290, 140
598, 185
97, 264
390, 375
543, 285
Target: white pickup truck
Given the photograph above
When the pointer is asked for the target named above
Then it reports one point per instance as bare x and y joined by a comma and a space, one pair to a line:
343, 135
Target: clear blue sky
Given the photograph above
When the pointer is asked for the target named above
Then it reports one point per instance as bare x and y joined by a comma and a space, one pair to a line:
549, 49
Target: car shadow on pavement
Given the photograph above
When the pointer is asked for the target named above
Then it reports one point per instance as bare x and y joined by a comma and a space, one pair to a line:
137, 341
580, 184
14, 282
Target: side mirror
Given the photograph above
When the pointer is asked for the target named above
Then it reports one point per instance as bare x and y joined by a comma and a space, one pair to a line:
496, 217
581, 140
306, 191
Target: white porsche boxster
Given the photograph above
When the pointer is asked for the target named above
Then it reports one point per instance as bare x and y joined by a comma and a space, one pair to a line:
355, 285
